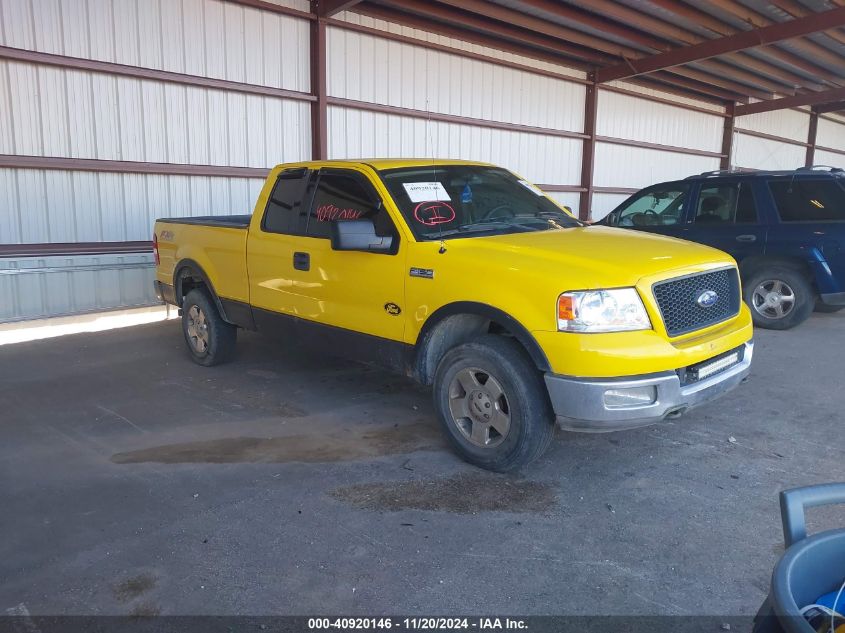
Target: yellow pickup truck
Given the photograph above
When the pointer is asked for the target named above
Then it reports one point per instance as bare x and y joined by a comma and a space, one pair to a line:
466, 277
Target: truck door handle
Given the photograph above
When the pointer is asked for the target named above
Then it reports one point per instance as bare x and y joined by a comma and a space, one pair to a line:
302, 261
746, 238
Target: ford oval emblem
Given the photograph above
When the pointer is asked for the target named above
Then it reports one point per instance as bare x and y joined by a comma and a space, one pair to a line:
707, 299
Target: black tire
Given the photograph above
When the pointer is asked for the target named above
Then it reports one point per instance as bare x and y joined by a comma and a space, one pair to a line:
826, 308
524, 403
762, 280
209, 338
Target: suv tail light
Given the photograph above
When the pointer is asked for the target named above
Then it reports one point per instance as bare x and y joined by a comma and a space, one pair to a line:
155, 250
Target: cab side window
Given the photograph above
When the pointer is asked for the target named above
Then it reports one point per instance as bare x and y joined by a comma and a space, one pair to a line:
346, 196
731, 203
658, 206
284, 212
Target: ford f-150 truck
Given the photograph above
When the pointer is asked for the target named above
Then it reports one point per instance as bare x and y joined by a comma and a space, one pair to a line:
470, 279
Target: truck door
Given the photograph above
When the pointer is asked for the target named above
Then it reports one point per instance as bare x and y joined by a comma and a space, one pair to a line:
271, 244
725, 217
360, 292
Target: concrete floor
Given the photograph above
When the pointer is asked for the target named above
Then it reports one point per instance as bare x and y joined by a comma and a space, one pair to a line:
134, 481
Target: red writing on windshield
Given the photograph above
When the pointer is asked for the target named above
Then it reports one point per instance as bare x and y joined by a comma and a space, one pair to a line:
433, 213
329, 212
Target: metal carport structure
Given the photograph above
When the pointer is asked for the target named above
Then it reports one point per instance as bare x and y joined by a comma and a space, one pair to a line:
115, 113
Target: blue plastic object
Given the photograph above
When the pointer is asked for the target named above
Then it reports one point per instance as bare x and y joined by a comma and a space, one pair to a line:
812, 565
827, 601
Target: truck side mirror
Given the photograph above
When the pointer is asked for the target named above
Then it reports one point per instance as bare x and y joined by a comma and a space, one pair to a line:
359, 235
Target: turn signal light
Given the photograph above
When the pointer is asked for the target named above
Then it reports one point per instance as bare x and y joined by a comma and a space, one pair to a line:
566, 308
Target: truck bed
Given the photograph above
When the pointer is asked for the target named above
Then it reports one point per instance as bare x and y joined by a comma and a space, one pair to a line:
216, 244
227, 221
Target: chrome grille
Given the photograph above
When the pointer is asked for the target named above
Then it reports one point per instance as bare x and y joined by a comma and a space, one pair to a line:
678, 300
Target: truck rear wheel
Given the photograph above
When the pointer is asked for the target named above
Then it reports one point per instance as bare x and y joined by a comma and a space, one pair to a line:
492, 404
210, 339
780, 298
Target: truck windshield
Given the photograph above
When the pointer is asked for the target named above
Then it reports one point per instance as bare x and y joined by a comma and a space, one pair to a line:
468, 200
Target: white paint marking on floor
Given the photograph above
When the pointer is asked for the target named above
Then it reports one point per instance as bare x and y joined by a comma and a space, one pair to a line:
20, 611
125, 419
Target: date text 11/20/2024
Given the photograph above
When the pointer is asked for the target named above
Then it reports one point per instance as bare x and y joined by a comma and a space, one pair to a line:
416, 624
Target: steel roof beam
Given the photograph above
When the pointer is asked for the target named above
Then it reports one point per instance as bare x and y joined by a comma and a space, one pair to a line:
327, 8
739, 70
814, 98
718, 27
730, 44
505, 16
830, 107
757, 20
478, 30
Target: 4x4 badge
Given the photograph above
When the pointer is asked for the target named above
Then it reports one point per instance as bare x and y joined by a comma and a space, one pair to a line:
392, 309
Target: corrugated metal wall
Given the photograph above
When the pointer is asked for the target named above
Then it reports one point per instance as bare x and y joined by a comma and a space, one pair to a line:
831, 133
380, 91
34, 286
752, 152
375, 70
436, 81
57, 112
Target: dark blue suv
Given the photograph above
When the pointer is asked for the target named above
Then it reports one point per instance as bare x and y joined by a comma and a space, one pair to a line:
786, 229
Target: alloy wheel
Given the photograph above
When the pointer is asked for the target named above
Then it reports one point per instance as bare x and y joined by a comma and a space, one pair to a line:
479, 407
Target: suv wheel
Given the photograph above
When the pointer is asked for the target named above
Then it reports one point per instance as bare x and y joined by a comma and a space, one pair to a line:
210, 339
780, 298
492, 404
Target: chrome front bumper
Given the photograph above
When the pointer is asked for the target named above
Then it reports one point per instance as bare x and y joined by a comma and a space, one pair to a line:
579, 403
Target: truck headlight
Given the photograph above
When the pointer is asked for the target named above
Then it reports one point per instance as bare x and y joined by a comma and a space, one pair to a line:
617, 310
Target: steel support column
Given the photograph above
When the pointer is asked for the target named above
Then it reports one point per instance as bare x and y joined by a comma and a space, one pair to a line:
811, 137
588, 154
319, 107
728, 137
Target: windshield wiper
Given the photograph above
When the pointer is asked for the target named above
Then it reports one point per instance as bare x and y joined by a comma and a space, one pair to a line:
472, 227
528, 223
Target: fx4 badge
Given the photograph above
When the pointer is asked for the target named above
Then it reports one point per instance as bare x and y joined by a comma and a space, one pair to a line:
392, 309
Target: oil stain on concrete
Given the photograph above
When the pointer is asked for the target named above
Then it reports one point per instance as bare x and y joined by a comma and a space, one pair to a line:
461, 494
131, 588
349, 446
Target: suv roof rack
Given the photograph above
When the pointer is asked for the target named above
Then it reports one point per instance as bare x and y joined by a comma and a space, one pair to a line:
716, 172
831, 169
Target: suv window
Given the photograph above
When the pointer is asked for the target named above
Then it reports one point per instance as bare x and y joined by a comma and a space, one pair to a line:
803, 200
662, 205
346, 196
731, 203
284, 213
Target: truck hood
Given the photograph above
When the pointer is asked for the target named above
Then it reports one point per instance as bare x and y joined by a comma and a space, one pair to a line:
607, 257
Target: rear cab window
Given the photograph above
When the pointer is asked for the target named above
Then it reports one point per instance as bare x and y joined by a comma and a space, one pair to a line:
809, 200
284, 212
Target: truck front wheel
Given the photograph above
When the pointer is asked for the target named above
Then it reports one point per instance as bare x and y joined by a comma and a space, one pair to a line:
210, 339
492, 403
